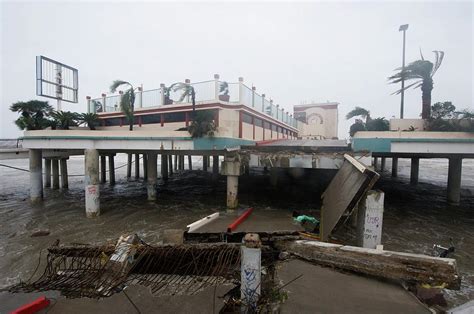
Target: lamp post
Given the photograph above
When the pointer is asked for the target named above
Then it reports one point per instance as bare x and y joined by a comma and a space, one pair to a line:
403, 28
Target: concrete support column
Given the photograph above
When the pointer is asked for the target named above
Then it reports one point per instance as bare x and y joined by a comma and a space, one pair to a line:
55, 167
112, 169
145, 167
64, 176
164, 167
47, 173
382, 165
370, 219
170, 164
91, 179
176, 162
215, 165
151, 178
137, 166
231, 168
103, 169
415, 168
394, 167
190, 162
204, 163
182, 162
454, 180
376, 160
129, 166
36, 175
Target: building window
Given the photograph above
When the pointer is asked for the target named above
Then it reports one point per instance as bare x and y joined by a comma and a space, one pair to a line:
258, 122
152, 118
246, 118
175, 117
113, 121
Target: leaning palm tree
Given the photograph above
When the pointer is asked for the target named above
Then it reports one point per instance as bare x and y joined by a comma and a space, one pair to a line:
127, 100
187, 91
422, 71
359, 111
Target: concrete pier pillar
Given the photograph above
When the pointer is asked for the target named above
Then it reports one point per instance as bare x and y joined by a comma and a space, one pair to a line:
204, 163
91, 179
55, 168
47, 173
454, 180
129, 166
376, 160
152, 176
382, 164
103, 169
176, 163
215, 166
164, 167
145, 167
64, 176
231, 169
394, 167
112, 169
370, 219
415, 169
182, 162
36, 175
170, 164
190, 162
137, 166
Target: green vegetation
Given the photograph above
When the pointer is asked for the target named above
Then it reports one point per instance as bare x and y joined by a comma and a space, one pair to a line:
33, 114
187, 91
203, 124
422, 71
377, 124
65, 119
91, 119
127, 100
445, 118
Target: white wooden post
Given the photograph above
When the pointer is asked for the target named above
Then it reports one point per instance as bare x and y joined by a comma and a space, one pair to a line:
251, 272
217, 87
370, 219
241, 90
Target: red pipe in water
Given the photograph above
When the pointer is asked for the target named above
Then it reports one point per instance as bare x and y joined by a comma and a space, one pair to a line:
32, 307
239, 220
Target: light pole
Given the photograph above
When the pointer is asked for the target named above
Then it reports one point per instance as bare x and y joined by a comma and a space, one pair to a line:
403, 28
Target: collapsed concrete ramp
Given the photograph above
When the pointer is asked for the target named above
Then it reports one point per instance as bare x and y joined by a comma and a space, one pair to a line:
347, 187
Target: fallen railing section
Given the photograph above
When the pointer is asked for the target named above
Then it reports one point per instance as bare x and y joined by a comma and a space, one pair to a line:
412, 268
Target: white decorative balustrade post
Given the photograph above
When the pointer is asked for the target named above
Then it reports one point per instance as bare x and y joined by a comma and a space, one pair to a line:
241, 90
104, 98
88, 99
163, 94
263, 103
277, 111
140, 97
216, 87
253, 96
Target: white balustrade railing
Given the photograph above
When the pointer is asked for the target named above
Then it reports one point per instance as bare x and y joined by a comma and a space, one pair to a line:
206, 91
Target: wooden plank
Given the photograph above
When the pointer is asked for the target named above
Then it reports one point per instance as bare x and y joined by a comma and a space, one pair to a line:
408, 267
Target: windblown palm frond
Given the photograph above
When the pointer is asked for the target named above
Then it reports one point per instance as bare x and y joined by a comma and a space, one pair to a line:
127, 100
358, 111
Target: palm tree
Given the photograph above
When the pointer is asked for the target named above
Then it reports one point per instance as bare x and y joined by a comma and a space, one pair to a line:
359, 111
33, 114
422, 71
65, 119
188, 91
127, 100
91, 119
203, 124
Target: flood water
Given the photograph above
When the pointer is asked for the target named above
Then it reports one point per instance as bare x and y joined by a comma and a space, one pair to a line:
415, 218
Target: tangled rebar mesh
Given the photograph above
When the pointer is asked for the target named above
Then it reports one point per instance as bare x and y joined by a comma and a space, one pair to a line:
97, 272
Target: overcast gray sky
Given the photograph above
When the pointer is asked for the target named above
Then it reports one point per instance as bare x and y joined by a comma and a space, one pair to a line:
292, 52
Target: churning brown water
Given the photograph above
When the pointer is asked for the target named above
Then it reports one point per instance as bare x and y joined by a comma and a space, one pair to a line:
415, 218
